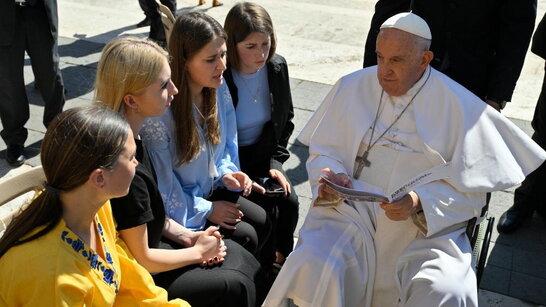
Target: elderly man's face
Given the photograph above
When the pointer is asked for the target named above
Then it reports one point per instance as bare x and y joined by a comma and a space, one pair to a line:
399, 62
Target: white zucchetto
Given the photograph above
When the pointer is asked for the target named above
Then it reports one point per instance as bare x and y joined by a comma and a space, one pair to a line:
408, 22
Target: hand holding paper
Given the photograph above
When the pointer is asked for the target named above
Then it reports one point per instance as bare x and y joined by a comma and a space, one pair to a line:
363, 191
402, 209
326, 195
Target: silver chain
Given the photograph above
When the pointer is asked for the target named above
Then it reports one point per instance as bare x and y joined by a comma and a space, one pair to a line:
363, 160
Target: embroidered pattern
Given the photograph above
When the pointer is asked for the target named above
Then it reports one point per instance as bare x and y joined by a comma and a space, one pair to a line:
226, 96
154, 131
93, 258
174, 206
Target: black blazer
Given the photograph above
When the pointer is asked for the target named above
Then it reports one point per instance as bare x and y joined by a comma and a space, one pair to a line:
479, 43
538, 46
270, 151
8, 17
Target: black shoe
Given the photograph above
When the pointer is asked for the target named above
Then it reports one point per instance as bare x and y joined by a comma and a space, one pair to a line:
144, 23
14, 155
511, 220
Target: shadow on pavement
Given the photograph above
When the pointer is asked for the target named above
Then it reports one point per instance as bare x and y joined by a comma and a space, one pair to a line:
298, 174
517, 263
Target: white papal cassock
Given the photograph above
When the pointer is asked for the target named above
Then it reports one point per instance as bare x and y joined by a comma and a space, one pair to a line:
352, 254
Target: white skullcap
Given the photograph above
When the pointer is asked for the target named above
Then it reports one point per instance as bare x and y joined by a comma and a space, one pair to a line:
408, 22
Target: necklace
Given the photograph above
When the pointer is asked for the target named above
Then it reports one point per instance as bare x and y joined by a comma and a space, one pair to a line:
200, 114
255, 95
213, 170
363, 160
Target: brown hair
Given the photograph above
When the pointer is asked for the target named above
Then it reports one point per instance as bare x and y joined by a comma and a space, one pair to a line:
127, 65
243, 19
77, 142
190, 33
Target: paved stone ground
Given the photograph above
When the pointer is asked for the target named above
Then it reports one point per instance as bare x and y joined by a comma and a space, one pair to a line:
319, 50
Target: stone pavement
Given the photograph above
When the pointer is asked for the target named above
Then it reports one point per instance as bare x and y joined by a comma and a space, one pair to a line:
322, 40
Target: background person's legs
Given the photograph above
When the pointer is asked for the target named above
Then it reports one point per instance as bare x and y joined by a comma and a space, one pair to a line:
14, 109
44, 56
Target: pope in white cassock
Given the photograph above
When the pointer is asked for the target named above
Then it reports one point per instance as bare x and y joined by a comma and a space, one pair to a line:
401, 117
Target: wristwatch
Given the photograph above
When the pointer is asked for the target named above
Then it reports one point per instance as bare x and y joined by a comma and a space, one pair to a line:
500, 102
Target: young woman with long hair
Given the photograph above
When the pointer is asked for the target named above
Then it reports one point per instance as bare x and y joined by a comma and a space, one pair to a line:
61, 249
134, 79
259, 84
193, 146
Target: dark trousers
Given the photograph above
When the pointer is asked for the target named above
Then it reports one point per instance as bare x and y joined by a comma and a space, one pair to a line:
149, 7
283, 212
253, 230
33, 35
530, 195
239, 281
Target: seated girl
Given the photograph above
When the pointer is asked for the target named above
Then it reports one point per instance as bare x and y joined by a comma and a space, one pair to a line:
134, 79
61, 249
258, 81
193, 146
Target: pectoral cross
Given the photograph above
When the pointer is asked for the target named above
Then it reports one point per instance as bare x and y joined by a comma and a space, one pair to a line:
361, 162
365, 160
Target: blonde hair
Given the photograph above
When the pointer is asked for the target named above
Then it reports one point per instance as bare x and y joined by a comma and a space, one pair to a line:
128, 65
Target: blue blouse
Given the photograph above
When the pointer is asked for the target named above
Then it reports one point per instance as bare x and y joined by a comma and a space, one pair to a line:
184, 188
254, 108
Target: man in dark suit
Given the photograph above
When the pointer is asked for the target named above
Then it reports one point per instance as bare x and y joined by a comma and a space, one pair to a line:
530, 195
480, 44
29, 26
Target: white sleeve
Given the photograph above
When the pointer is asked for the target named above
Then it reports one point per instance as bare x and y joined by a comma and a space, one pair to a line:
444, 206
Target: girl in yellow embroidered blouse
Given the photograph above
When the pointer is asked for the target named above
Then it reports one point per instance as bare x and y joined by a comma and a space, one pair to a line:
61, 250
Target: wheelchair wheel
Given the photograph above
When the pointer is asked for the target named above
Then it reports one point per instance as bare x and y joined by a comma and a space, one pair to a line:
480, 246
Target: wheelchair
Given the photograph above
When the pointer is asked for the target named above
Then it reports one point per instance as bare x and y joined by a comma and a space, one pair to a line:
479, 235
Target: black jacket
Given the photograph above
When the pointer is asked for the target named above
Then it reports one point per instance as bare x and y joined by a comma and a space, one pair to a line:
8, 17
270, 151
479, 43
538, 47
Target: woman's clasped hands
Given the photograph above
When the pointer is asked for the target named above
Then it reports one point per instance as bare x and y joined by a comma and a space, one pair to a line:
211, 246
